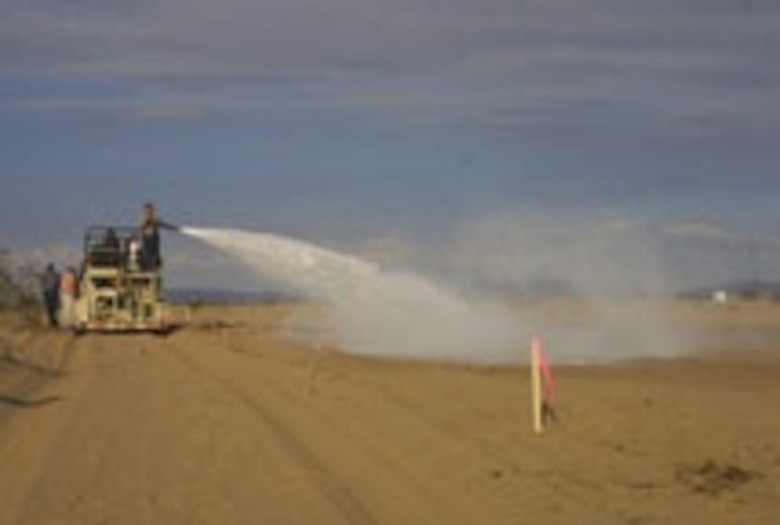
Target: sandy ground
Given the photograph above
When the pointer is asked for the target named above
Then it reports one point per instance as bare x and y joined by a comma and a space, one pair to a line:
226, 422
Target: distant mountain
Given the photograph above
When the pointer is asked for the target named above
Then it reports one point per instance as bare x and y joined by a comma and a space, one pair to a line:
751, 288
754, 287
224, 296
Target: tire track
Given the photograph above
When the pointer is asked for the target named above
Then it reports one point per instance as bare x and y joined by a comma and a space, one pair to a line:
29, 437
335, 490
398, 476
32, 377
436, 425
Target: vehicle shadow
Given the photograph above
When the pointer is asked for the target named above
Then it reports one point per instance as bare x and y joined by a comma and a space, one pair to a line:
28, 403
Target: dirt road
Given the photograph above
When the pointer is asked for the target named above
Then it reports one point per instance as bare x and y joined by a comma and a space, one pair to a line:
226, 422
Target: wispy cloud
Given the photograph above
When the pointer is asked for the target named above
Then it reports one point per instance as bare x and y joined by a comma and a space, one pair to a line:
698, 230
623, 70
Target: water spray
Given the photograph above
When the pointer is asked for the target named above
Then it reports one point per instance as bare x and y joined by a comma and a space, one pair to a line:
401, 314
371, 312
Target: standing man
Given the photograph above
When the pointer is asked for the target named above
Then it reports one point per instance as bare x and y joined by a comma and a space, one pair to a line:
150, 238
50, 284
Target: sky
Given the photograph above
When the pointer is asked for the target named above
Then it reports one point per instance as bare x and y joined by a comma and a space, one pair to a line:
411, 123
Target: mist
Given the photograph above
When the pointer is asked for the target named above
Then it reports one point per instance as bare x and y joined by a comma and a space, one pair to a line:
594, 286
479, 294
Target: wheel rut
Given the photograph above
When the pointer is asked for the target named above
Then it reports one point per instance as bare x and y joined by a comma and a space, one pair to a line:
335, 490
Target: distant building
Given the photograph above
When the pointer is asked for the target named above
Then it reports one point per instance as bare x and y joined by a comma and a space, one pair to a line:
720, 297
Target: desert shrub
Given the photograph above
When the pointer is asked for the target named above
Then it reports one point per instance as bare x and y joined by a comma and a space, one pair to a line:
18, 284
7, 285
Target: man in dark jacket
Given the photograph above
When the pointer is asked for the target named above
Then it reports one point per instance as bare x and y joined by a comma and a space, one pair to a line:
50, 284
149, 256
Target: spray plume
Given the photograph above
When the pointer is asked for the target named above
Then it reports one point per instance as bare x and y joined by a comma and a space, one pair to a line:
375, 313
403, 315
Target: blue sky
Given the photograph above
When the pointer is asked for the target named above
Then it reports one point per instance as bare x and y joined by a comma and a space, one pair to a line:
348, 121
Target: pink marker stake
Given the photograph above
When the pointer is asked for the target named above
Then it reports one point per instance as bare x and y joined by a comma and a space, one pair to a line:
537, 401
545, 385
548, 384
